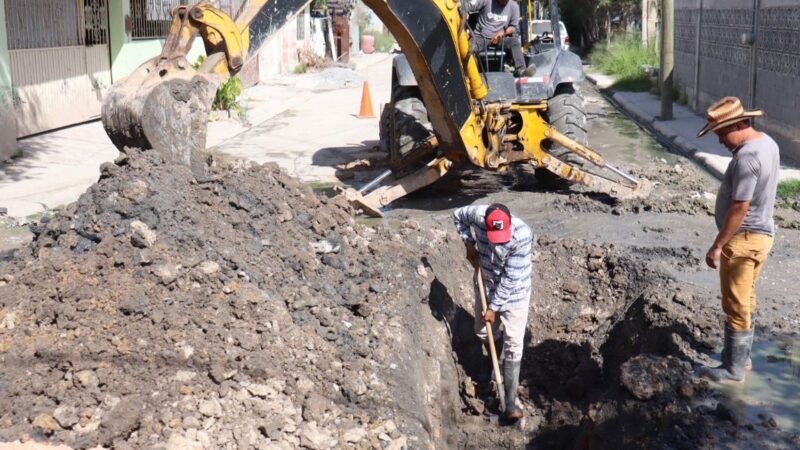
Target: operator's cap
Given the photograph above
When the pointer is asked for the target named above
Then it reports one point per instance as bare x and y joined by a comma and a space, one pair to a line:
498, 224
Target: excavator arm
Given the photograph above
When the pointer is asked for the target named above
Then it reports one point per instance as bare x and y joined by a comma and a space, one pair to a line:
165, 103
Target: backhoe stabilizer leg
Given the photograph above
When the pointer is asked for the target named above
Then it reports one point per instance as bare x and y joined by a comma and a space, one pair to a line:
372, 203
618, 190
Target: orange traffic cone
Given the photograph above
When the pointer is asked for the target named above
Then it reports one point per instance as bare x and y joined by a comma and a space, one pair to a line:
366, 104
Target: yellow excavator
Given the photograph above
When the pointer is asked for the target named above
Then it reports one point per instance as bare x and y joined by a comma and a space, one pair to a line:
164, 105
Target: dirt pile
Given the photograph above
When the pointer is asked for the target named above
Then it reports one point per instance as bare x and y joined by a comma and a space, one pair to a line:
236, 311
240, 310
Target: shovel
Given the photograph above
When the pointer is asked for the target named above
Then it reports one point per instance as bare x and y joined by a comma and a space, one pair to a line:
498, 377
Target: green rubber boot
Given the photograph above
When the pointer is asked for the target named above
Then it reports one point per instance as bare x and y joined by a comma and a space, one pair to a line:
734, 357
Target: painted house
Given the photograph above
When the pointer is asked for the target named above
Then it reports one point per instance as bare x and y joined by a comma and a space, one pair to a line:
59, 57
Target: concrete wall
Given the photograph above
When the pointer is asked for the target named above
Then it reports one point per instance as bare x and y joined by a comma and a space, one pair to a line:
8, 119
279, 55
712, 60
127, 53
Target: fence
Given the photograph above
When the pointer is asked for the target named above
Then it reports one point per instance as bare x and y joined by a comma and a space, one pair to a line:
746, 48
55, 23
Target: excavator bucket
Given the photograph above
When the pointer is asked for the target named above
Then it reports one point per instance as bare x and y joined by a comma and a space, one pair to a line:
163, 105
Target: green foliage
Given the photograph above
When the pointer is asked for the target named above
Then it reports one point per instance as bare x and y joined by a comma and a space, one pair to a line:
623, 60
789, 189
228, 92
227, 97
384, 42
300, 68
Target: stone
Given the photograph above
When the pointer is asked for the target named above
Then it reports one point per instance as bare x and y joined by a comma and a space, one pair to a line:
262, 390
178, 442
185, 375
210, 408
314, 407
167, 273
65, 416
141, 235
45, 424
86, 379
354, 435
191, 422
9, 321
325, 246
398, 444
209, 267
135, 190
315, 438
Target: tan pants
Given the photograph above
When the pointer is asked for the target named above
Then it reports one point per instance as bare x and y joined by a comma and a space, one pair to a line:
740, 265
514, 322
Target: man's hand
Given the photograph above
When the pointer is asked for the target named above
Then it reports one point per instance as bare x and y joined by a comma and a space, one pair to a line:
713, 255
498, 37
488, 316
472, 255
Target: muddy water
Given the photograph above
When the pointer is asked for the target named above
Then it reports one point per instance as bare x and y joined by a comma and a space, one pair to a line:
772, 389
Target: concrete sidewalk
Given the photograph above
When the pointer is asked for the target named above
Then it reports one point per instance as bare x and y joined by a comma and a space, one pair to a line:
681, 132
306, 123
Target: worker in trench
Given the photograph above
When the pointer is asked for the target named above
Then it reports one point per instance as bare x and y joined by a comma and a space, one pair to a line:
746, 229
502, 246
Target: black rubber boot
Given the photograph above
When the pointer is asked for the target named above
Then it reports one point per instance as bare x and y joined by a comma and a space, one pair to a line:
511, 381
734, 357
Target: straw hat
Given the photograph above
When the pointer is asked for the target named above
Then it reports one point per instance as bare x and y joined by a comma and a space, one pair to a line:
726, 112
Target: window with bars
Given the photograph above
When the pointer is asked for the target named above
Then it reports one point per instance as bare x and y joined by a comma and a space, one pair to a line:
55, 23
151, 18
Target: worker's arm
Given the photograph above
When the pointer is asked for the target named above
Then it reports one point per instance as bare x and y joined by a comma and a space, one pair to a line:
464, 218
509, 30
744, 175
733, 220
516, 272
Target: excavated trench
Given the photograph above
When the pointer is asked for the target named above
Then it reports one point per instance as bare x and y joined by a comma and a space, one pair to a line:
241, 310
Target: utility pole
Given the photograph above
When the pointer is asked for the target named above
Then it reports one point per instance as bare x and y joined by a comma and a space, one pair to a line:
666, 70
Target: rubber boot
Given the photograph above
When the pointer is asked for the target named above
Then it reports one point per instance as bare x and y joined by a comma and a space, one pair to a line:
511, 381
734, 357
748, 365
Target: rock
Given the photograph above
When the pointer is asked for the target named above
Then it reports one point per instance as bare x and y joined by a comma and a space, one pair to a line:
572, 287
123, 419
210, 408
9, 321
314, 407
398, 444
167, 273
65, 416
354, 435
262, 390
86, 379
208, 267
45, 424
185, 375
325, 246
646, 376
141, 235
191, 422
135, 190
178, 442
315, 438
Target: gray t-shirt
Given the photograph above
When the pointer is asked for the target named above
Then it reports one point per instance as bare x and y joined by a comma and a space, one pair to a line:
494, 17
751, 175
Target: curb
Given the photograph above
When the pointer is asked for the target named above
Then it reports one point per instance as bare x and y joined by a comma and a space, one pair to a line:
663, 134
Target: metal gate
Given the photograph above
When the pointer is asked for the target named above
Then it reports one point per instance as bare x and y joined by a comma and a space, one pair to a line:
60, 63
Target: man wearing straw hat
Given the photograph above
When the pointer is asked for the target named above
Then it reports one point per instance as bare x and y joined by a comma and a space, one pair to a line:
743, 213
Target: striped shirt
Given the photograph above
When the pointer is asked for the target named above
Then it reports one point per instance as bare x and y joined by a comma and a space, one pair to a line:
506, 267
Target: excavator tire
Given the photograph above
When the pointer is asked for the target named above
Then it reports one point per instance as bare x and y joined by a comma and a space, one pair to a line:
412, 126
566, 114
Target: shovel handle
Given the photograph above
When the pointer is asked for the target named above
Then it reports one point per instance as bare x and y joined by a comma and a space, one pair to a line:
501, 393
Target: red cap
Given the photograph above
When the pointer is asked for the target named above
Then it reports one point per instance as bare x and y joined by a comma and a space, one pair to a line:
498, 224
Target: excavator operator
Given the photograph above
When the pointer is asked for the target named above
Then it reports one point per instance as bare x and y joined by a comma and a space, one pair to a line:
496, 25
